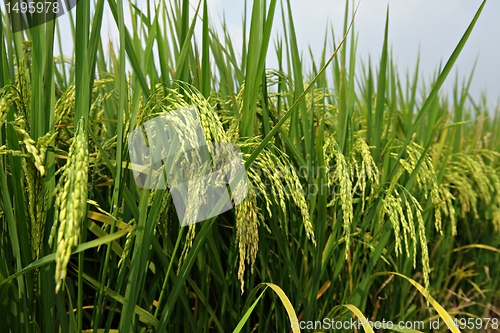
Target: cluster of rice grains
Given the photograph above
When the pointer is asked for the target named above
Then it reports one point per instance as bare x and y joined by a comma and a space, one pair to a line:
428, 184
33, 152
271, 167
467, 179
472, 179
395, 207
167, 100
398, 205
64, 112
273, 180
34, 155
7, 99
348, 172
35, 172
71, 199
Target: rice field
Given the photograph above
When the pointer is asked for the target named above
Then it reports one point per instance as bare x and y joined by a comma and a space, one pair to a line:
372, 198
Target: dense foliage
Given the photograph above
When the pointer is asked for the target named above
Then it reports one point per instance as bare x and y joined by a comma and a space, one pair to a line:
369, 192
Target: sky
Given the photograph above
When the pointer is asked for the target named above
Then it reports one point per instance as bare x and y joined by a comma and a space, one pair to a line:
433, 27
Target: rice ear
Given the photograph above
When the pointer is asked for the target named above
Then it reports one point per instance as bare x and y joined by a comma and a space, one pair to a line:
71, 199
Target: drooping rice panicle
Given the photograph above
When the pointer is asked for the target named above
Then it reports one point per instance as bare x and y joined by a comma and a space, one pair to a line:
426, 180
71, 199
247, 236
367, 171
342, 176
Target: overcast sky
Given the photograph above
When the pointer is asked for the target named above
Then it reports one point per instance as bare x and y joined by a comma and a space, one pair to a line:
433, 26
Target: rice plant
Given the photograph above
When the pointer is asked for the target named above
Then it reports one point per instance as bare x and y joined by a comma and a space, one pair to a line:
371, 195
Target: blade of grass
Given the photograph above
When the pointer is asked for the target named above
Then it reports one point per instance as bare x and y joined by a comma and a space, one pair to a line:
380, 104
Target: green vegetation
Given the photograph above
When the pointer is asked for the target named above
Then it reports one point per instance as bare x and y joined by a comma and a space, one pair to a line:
371, 194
